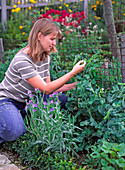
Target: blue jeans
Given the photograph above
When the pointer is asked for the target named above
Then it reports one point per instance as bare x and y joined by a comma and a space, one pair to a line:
12, 114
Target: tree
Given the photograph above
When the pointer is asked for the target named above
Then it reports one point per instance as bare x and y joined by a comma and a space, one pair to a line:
109, 20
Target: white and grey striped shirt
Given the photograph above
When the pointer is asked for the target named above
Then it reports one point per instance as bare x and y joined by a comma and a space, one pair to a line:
14, 85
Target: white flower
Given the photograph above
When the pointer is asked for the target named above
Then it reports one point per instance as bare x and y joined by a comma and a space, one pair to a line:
79, 27
102, 30
90, 23
95, 26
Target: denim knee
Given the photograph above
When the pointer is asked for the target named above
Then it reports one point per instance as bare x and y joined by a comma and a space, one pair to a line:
11, 122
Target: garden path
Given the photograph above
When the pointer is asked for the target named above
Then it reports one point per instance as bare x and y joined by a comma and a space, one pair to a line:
6, 164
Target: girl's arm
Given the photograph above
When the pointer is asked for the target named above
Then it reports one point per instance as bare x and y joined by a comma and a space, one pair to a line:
38, 82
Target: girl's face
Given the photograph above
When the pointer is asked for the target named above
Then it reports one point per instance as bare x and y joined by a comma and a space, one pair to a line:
48, 41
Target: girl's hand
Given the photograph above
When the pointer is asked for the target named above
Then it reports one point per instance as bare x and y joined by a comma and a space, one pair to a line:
79, 67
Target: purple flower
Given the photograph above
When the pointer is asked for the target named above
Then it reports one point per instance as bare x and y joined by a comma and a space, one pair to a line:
57, 102
26, 107
51, 95
50, 115
34, 105
30, 95
36, 89
51, 101
29, 92
52, 109
45, 103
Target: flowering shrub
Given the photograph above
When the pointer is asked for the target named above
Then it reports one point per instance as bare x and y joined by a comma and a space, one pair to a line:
66, 20
48, 124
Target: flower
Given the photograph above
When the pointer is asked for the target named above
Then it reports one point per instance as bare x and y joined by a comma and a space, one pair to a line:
19, 2
50, 115
17, 9
21, 27
30, 7
95, 27
60, 7
52, 109
70, 10
47, 8
67, 5
14, 6
32, 1
13, 10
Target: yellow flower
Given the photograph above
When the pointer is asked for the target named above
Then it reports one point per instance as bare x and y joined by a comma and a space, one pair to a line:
93, 6
64, 4
21, 27
97, 2
30, 7
32, 1
74, 6
101, 3
67, 5
70, 10
81, 0
61, 0
60, 7
94, 9
113, 2
96, 17
23, 33
19, 2
47, 8
13, 10
99, 17
17, 9
124, 14
14, 6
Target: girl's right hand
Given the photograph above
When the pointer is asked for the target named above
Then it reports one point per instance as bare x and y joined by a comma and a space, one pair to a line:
79, 67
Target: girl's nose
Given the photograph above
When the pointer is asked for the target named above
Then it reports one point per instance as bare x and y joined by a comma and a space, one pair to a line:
54, 42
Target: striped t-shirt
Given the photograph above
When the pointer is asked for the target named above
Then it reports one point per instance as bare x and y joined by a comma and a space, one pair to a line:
15, 85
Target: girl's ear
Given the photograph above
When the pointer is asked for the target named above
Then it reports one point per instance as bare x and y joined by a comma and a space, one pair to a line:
39, 36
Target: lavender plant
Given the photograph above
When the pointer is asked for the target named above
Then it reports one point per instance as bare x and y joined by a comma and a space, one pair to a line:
50, 127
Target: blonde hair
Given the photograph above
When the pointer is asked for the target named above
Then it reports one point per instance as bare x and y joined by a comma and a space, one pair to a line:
45, 26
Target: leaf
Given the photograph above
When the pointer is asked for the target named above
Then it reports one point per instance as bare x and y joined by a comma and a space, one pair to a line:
121, 162
84, 123
108, 168
104, 162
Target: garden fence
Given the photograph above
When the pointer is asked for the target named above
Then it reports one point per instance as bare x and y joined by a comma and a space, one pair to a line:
70, 46
113, 71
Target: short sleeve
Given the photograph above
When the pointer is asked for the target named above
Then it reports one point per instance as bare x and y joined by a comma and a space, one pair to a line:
25, 67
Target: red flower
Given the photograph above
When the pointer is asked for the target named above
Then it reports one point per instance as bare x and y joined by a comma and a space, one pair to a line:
57, 12
63, 11
82, 13
83, 31
67, 32
81, 18
78, 21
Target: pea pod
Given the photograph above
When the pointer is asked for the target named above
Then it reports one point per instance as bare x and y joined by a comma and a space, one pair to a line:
108, 113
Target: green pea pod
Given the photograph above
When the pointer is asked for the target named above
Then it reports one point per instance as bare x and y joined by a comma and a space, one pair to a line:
75, 60
121, 84
108, 113
123, 102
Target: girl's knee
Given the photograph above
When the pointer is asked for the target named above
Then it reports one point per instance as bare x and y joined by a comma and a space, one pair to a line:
12, 133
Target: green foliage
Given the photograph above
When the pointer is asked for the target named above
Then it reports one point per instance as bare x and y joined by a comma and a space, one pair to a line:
109, 155
32, 156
